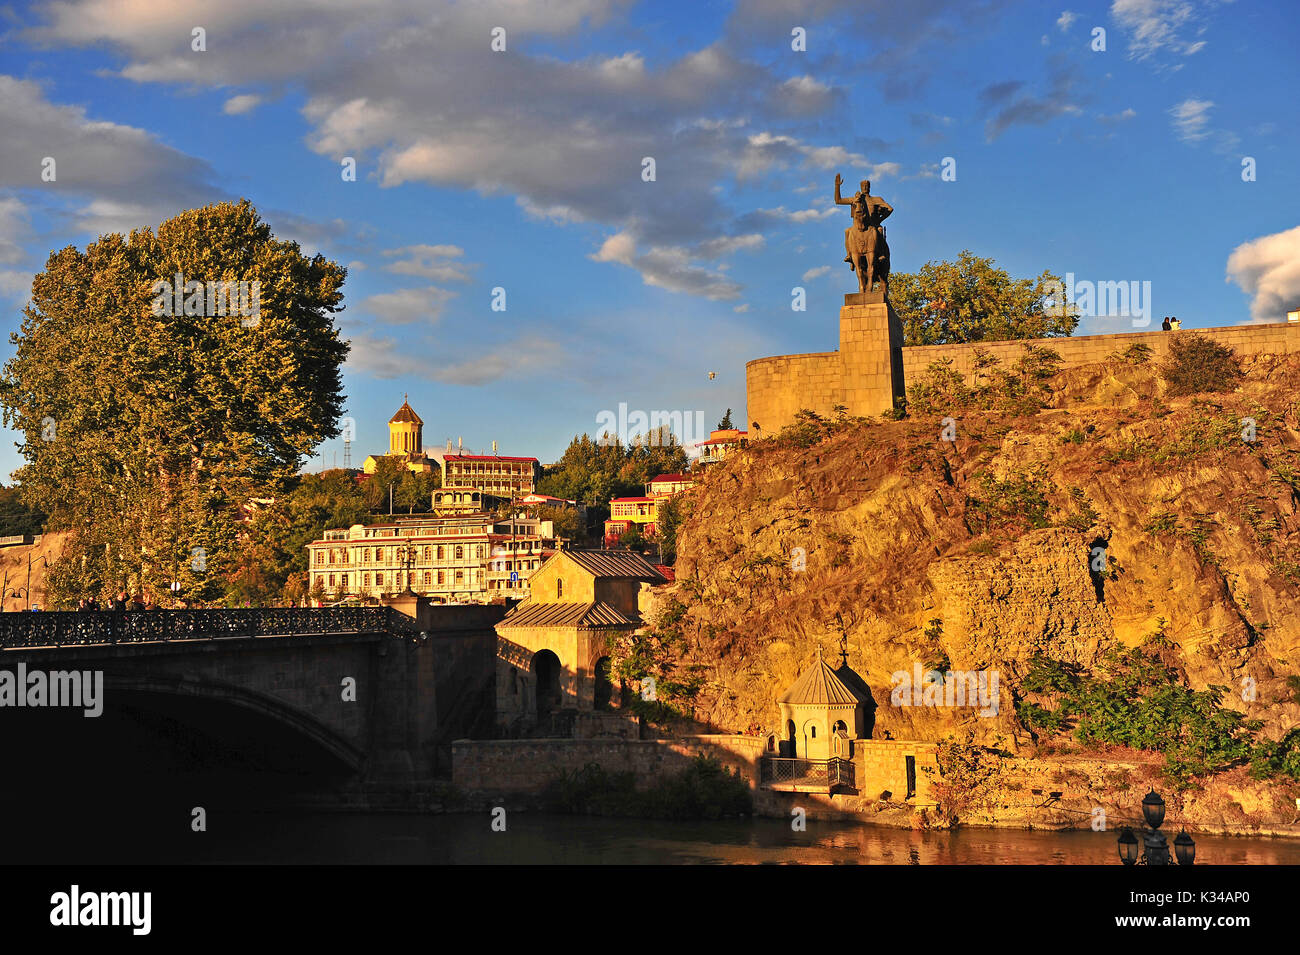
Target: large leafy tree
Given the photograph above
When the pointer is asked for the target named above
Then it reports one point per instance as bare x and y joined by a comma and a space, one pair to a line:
146, 433
971, 300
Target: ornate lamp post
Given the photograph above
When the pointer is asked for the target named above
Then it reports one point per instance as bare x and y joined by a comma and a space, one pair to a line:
406, 554
1155, 847
175, 588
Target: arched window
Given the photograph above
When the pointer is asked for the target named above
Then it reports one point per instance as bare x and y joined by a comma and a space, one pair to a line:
559, 588
813, 732
460, 552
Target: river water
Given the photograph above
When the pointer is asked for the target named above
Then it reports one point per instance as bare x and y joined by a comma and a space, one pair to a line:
532, 838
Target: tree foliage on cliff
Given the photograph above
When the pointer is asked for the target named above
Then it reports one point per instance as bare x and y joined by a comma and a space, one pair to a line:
145, 434
971, 300
1197, 364
1020, 387
1136, 699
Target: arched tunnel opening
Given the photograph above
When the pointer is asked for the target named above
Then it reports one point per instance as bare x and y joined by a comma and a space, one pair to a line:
125, 783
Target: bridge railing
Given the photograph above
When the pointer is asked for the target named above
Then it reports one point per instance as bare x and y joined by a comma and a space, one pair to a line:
77, 628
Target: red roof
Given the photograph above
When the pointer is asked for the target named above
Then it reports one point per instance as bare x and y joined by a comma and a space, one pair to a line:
625, 500
486, 457
676, 478
669, 574
743, 436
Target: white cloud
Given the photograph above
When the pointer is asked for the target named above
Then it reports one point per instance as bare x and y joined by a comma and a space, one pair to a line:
128, 177
1191, 119
816, 273
1158, 25
14, 229
666, 267
1268, 270
429, 262
1066, 20
243, 103
406, 306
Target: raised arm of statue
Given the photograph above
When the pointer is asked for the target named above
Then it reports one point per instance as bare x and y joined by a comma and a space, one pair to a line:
838, 201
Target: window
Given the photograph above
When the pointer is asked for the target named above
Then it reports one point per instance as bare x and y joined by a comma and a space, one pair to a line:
426, 553
366, 580
440, 552
813, 732
480, 551
379, 579
427, 578
331, 580
345, 581
559, 588
460, 552
442, 577
460, 577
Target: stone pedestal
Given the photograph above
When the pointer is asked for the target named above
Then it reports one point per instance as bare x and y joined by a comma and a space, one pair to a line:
871, 354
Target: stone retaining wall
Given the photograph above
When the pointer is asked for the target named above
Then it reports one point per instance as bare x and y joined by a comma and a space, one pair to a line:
872, 367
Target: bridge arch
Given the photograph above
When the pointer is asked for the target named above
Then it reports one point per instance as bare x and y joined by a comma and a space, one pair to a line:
262, 704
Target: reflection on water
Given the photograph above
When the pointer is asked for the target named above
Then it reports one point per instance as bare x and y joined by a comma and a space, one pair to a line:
538, 838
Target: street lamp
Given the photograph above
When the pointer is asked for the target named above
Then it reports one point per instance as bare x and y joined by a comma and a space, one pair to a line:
28, 588
1128, 847
175, 588
1155, 847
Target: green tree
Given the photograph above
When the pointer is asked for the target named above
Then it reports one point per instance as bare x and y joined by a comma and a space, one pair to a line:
15, 516
971, 300
146, 433
725, 423
388, 471
414, 490
566, 521
594, 471
670, 515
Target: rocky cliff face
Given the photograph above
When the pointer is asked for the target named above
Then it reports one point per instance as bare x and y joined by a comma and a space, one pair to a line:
1097, 521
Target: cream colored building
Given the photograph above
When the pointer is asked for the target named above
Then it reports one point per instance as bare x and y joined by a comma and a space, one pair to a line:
552, 649
470, 558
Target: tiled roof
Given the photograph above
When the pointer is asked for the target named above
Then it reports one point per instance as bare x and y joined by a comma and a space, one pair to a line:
530, 614
405, 414
674, 478
616, 563
629, 500
820, 686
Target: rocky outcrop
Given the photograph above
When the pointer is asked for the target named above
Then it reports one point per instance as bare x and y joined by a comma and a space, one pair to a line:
1112, 514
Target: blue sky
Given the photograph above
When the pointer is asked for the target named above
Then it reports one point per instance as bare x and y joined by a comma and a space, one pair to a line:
522, 169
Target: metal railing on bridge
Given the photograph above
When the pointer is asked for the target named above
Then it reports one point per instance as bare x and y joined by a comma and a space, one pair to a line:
87, 628
776, 772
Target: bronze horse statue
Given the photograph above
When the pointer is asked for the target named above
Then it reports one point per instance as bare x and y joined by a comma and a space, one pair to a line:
866, 250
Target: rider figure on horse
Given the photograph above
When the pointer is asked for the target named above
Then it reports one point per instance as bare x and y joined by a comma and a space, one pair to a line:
868, 213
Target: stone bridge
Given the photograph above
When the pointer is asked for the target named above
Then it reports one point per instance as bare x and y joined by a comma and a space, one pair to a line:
351, 693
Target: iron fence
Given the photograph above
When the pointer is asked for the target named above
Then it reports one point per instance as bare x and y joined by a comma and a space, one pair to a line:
820, 773
85, 628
